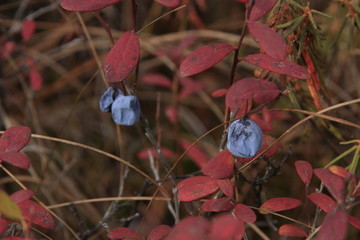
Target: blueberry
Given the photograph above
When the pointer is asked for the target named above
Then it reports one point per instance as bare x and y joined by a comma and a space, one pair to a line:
126, 110
244, 138
108, 98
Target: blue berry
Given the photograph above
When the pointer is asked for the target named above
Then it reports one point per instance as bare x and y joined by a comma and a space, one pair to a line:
108, 98
126, 110
244, 138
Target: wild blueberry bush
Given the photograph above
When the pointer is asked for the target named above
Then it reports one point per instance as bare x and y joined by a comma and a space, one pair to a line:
179, 119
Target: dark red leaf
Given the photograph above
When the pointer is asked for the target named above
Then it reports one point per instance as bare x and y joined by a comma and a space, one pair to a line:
123, 232
36, 79
159, 232
122, 58
244, 213
169, 3
15, 138
334, 226
305, 171
245, 89
190, 87
86, 5
269, 40
279, 204
195, 188
16, 159
217, 205
226, 187
21, 195
323, 201
354, 221
171, 114
28, 29
204, 58
3, 225
340, 171
260, 8
265, 126
220, 166
36, 214
7, 49
267, 141
334, 184
195, 153
226, 226
157, 79
190, 228
219, 93
165, 151
284, 67
289, 230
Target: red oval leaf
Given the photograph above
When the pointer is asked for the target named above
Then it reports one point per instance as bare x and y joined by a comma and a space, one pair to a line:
28, 29
36, 214
86, 5
123, 232
284, 67
246, 89
36, 79
290, 230
16, 159
332, 182
323, 201
157, 79
159, 232
340, 171
21, 195
244, 213
305, 171
169, 3
269, 40
195, 188
226, 226
267, 141
220, 166
260, 8
334, 226
226, 187
195, 153
219, 93
191, 228
15, 138
122, 58
217, 205
354, 221
204, 58
279, 204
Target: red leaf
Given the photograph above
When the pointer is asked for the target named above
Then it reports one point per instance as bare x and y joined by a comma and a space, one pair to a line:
204, 58
15, 138
86, 5
7, 49
279, 204
226, 187
289, 230
157, 79
36, 79
260, 8
305, 171
354, 221
16, 238
16, 159
323, 201
195, 188
244, 213
159, 232
36, 214
226, 226
169, 3
165, 151
340, 171
334, 226
245, 89
217, 205
219, 93
122, 58
195, 153
265, 126
28, 29
190, 228
171, 114
332, 182
3, 225
190, 87
123, 232
284, 67
269, 40
21, 195
220, 166
267, 141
